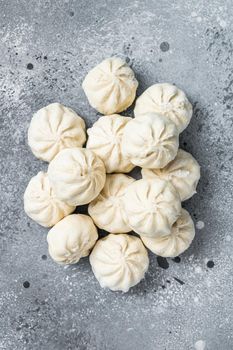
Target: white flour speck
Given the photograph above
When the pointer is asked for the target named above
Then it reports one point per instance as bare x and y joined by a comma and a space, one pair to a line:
228, 238
223, 23
129, 329
200, 225
198, 269
199, 19
200, 345
193, 14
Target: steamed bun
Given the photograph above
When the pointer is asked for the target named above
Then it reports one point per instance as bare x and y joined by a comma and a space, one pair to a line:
41, 204
183, 172
165, 99
151, 207
175, 243
111, 86
105, 140
150, 141
77, 175
107, 209
119, 261
71, 239
54, 128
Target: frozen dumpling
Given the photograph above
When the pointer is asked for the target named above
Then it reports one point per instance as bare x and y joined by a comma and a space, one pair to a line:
167, 100
151, 207
107, 209
41, 204
119, 262
177, 241
111, 86
150, 141
54, 128
77, 175
71, 239
105, 140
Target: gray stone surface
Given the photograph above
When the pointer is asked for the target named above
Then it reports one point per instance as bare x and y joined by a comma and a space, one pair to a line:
46, 49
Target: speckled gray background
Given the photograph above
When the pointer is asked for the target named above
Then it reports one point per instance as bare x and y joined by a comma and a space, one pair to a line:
46, 49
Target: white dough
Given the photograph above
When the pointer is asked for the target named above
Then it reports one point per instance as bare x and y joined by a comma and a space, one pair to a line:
54, 128
179, 239
40, 203
183, 172
150, 141
168, 100
119, 261
105, 140
107, 209
151, 207
77, 175
71, 239
111, 86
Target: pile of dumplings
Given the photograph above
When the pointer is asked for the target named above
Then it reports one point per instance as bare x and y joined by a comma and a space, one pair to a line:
97, 175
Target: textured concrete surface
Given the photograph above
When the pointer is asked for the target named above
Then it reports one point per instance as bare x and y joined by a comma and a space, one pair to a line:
46, 49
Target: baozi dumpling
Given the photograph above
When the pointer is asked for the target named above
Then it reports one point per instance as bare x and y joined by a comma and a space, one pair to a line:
119, 262
107, 209
105, 140
151, 207
183, 172
71, 239
150, 141
111, 86
54, 128
77, 175
168, 100
179, 239
41, 204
